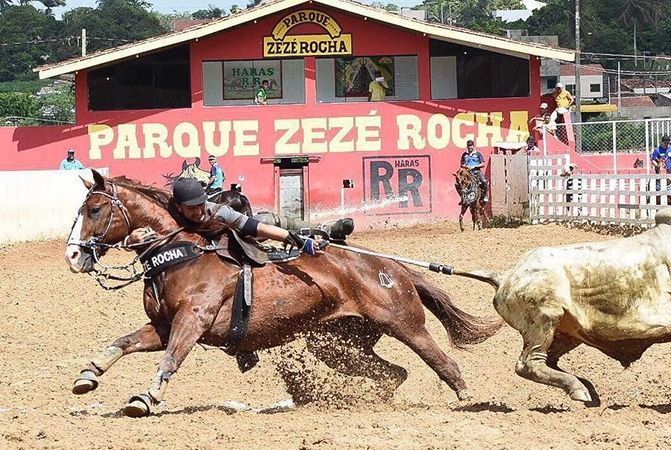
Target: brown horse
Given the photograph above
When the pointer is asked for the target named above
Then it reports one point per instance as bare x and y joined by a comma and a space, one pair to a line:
354, 297
468, 188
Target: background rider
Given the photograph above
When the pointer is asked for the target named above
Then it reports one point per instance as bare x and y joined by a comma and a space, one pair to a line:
473, 160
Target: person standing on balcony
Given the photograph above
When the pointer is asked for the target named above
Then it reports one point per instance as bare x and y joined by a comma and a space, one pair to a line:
563, 99
70, 163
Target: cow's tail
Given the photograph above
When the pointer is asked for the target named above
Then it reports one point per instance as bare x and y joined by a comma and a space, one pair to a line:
462, 327
493, 278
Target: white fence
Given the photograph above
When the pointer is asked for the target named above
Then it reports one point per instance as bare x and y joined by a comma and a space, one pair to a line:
600, 199
40, 204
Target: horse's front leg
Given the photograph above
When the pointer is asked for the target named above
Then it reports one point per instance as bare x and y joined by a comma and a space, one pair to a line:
146, 339
461, 217
187, 329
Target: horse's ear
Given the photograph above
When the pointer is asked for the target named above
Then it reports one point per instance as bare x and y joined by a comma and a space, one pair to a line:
184, 165
98, 180
87, 183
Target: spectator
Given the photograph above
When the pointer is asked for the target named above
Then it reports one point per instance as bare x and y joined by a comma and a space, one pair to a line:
261, 97
544, 120
563, 98
531, 148
70, 163
377, 89
568, 173
660, 156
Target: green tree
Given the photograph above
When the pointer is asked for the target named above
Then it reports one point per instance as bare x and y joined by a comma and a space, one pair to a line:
18, 104
26, 33
211, 13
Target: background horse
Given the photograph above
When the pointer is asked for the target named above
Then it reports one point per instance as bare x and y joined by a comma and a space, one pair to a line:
356, 298
470, 192
235, 199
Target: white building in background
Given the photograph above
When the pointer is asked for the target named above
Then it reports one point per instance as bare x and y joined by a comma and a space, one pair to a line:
593, 86
512, 15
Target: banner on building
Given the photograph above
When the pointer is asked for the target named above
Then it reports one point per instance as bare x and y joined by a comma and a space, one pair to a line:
397, 184
243, 78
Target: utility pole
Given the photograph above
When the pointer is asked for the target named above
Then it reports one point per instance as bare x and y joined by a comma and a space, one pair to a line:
635, 58
619, 88
83, 41
578, 117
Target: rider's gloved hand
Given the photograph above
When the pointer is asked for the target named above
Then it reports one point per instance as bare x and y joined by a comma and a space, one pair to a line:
308, 245
143, 235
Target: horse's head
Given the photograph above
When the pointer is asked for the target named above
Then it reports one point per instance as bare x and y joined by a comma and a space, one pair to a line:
102, 220
463, 179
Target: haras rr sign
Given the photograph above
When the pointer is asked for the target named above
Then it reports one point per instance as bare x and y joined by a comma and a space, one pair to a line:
334, 42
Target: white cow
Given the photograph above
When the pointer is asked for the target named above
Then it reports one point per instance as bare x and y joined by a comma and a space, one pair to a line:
614, 296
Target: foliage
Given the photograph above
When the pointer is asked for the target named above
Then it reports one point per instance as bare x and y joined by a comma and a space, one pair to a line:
27, 87
211, 13
19, 104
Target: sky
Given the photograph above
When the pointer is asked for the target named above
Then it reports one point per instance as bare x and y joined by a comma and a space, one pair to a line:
180, 6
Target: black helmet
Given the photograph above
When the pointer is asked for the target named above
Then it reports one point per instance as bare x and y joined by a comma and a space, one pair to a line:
189, 192
666, 138
469, 142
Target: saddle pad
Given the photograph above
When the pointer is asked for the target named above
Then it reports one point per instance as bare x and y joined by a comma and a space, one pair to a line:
157, 260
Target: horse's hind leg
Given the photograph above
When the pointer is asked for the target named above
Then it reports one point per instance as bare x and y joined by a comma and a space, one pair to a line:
146, 339
348, 348
417, 337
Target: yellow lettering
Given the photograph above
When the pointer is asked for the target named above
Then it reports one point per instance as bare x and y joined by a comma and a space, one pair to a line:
462, 119
314, 135
519, 126
246, 144
282, 145
99, 135
155, 135
127, 141
191, 148
409, 128
344, 126
368, 133
438, 131
484, 129
224, 137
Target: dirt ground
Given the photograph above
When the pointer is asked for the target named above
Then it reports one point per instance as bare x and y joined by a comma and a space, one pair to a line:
53, 321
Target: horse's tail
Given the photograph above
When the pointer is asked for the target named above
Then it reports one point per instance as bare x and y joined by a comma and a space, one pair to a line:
462, 327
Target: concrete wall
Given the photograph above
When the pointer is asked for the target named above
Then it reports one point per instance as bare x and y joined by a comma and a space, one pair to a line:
40, 204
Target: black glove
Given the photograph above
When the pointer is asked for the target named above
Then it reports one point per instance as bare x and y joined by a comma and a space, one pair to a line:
293, 240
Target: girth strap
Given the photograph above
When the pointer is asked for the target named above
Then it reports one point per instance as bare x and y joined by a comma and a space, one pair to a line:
242, 308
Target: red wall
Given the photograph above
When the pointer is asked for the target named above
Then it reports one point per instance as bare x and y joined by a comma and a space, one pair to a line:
433, 157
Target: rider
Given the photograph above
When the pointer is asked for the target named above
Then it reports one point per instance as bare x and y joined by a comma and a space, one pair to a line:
191, 203
217, 177
473, 160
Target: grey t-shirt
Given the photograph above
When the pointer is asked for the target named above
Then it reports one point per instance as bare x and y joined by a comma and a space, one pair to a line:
237, 221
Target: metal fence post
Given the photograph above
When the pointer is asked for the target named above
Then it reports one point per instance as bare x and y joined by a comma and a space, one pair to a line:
615, 148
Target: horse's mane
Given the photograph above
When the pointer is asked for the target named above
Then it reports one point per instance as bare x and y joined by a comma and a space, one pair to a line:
158, 195
464, 176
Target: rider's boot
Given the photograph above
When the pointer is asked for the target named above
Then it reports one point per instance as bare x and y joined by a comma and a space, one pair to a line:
485, 195
246, 360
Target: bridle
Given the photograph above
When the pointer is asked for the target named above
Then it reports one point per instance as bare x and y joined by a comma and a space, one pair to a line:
97, 241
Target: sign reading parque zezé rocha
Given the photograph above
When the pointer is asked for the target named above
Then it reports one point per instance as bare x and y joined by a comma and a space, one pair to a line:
281, 44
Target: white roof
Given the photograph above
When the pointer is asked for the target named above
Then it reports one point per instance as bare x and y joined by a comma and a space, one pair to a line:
454, 34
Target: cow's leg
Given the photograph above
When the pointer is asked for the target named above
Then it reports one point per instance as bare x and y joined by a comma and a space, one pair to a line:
146, 339
187, 328
533, 362
561, 344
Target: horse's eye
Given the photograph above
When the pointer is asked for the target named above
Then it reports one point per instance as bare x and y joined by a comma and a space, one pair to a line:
95, 210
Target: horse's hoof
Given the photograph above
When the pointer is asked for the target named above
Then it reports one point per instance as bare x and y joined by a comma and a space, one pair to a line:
86, 382
464, 395
581, 395
138, 406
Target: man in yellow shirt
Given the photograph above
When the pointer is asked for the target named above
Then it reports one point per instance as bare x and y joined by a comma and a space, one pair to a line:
563, 98
377, 88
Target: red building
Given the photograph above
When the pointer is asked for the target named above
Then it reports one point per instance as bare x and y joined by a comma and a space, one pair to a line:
149, 109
